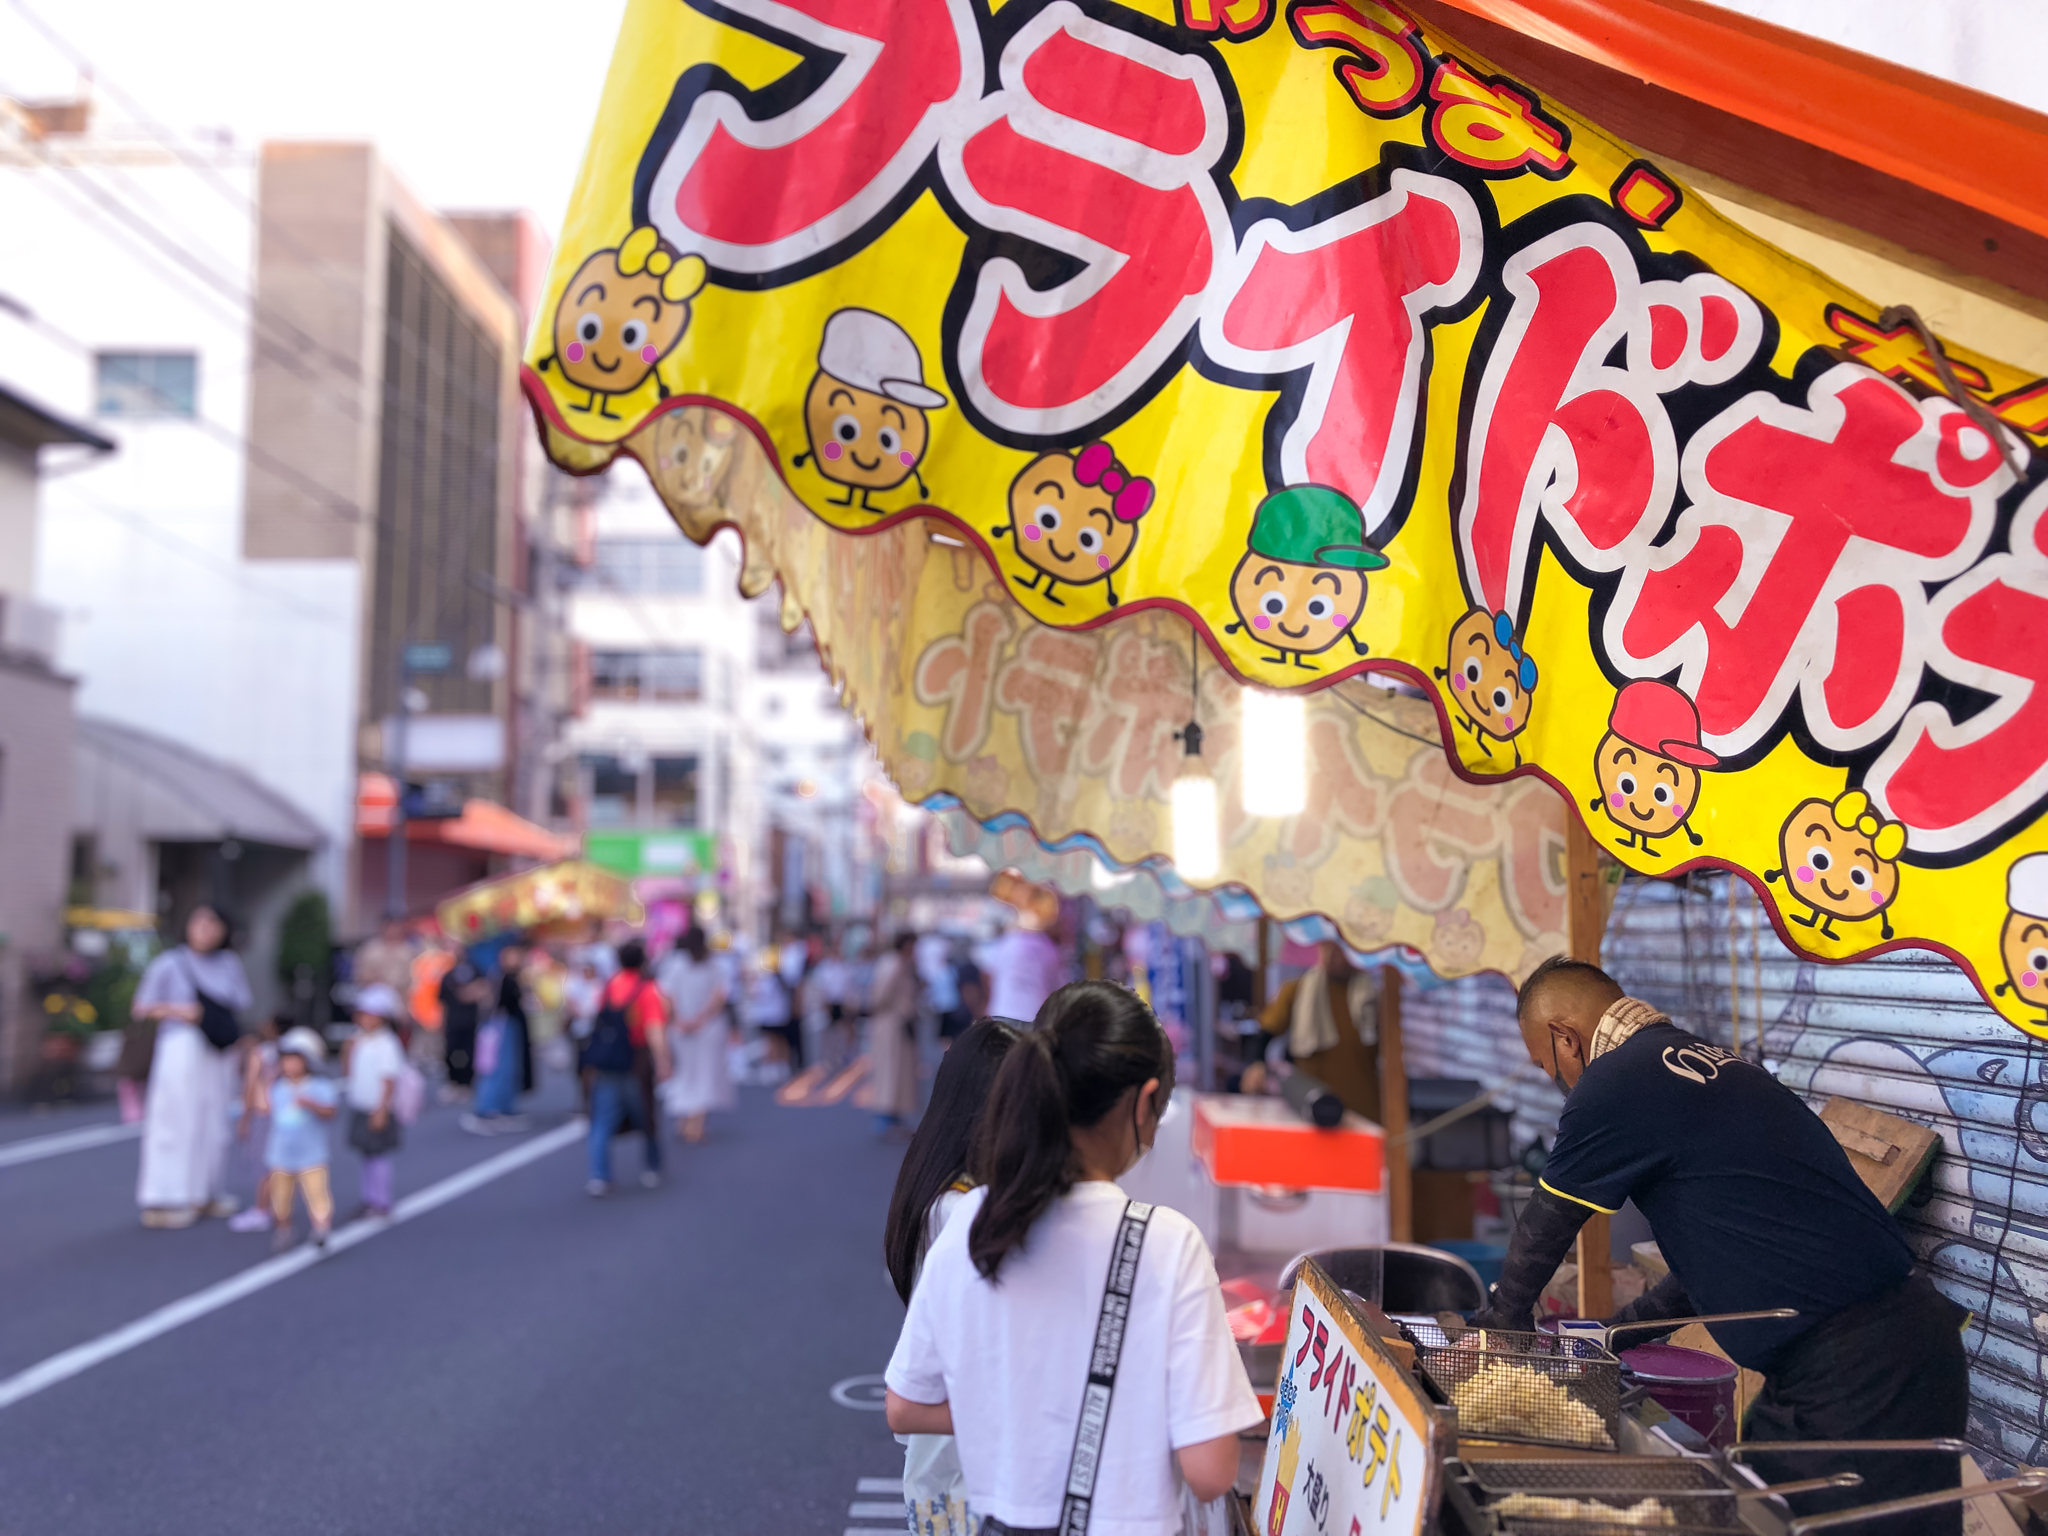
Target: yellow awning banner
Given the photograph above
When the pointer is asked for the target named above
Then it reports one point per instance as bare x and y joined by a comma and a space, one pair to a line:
1301, 326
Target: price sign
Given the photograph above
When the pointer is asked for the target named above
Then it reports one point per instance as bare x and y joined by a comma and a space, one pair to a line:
1353, 1446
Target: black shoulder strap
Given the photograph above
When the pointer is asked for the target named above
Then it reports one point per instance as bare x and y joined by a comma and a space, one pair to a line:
1109, 1349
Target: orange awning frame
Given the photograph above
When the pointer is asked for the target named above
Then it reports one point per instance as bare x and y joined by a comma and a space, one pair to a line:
483, 826
1962, 144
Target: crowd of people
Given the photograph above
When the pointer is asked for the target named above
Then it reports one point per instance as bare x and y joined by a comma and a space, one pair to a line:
238, 1117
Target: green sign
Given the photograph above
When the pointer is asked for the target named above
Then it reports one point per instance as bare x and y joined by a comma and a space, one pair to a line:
669, 852
429, 658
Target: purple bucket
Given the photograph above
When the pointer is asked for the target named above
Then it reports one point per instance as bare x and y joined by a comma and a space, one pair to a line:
1694, 1387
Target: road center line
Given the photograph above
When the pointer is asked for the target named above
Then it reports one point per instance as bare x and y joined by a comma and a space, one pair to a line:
35, 1148
258, 1277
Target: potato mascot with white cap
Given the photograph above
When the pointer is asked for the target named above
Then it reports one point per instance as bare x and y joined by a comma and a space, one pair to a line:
2024, 941
865, 412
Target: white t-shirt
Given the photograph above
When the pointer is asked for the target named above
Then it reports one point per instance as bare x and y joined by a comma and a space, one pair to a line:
1012, 1360
373, 1059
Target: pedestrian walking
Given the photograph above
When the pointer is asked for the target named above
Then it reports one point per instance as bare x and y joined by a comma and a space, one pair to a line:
295, 1154
892, 1045
504, 1057
929, 1188
191, 995
374, 1063
626, 1043
258, 1070
464, 990
765, 1004
1004, 1367
386, 957
696, 998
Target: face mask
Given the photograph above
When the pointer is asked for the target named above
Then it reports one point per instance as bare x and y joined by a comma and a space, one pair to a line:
1557, 1076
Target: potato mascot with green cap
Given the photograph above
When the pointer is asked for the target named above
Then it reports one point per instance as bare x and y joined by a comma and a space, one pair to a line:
1301, 584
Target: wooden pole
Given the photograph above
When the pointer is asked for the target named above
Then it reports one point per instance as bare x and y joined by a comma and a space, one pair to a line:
1587, 915
1394, 1110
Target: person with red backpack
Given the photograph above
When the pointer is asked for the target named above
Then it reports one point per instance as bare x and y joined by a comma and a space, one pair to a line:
627, 1047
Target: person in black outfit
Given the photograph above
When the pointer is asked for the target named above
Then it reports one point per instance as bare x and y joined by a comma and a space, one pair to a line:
1755, 1206
464, 991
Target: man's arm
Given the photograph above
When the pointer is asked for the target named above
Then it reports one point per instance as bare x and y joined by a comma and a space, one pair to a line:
1549, 1225
1664, 1300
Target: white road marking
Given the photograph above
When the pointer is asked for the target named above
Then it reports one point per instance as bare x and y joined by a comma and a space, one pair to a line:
258, 1277
38, 1147
879, 1485
861, 1511
860, 1392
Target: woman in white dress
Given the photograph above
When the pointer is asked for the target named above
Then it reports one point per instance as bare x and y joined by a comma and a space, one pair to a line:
185, 1125
695, 988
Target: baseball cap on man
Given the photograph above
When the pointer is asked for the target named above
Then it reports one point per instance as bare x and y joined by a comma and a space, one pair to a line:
380, 999
1313, 525
1658, 718
874, 353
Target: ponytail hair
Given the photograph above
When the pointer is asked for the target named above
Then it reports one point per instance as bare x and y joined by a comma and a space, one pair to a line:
1092, 1043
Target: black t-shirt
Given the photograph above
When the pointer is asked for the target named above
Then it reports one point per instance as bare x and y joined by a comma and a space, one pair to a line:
1753, 1201
458, 1015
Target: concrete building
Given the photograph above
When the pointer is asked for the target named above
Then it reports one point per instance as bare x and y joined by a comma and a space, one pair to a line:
311, 377
659, 771
35, 734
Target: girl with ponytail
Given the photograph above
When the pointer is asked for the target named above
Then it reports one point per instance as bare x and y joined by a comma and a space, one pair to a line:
998, 1344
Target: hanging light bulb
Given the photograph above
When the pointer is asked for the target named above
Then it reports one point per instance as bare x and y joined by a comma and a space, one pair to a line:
1273, 758
1195, 852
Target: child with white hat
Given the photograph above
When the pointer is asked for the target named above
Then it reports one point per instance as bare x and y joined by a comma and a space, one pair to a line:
301, 1104
374, 1063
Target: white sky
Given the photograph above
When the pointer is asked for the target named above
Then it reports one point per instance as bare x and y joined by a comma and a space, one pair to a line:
477, 103
486, 103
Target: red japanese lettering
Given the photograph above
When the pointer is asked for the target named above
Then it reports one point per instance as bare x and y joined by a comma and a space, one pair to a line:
1237, 17
1308, 1333
958, 671
835, 156
1345, 299
1335, 1397
1800, 564
1560, 435
1099, 145
1956, 784
1380, 65
1491, 126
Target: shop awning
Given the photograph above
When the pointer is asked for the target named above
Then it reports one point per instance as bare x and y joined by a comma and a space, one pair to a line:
569, 892
483, 825
1341, 358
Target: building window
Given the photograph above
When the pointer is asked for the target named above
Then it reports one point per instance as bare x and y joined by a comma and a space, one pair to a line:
675, 791
614, 789
667, 677
146, 384
642, 567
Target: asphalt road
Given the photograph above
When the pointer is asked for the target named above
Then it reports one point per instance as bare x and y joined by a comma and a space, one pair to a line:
519, 1359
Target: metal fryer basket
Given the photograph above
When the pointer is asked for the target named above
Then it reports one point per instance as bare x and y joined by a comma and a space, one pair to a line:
1691, 1493
1574, 1399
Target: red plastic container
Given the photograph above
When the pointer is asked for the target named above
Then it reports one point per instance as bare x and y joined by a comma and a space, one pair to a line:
1694, 1387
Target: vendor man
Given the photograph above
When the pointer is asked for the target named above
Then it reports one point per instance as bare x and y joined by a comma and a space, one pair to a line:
1755, 1206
